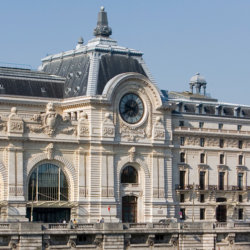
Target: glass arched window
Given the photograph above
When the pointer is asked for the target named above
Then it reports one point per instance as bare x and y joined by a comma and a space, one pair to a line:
129, 175
48, 183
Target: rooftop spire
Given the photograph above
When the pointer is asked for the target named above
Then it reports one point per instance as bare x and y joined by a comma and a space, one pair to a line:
102, 28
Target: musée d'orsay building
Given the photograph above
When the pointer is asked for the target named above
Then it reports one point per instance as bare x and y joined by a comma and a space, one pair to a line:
90, 135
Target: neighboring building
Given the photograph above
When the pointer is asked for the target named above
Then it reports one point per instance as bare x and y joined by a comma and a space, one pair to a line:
90, 135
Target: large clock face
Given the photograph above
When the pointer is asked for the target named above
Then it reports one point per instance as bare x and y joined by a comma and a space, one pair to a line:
131, 108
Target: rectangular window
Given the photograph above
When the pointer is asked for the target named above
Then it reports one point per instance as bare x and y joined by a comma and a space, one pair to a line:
202, 158
181, 123
221, 180
240, 181
182, 157
202, 214
240, 159
202, 179
240, 213
240, 198
182, 198
201, 124
182, 141
182, 179
202, 142
240, 143
239, 127
220, 126
202, 198
182, 214
222, 159
221, 143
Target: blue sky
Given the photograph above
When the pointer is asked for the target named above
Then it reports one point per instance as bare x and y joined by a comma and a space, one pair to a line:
178, 38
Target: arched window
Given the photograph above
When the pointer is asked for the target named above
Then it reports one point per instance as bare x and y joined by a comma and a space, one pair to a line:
129, 175
182, 157
48, 183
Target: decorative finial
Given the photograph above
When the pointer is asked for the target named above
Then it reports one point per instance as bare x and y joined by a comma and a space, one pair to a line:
102, 28
80, 41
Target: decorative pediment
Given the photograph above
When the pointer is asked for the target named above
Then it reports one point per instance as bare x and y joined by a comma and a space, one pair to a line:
223, 167
183, 166
241, 168
203, 167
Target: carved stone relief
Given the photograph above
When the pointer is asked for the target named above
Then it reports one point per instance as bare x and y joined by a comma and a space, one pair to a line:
15, 123
158, 129
51, 123
212, 142
83, 125
108, 128
131, 133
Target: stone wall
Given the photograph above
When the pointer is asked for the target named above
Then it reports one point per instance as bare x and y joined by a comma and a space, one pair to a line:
188, 236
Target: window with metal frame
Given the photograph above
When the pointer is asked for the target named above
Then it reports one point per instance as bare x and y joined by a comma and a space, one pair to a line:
48, 183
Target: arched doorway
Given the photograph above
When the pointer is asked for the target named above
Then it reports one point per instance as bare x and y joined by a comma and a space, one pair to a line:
48, 183
129, 209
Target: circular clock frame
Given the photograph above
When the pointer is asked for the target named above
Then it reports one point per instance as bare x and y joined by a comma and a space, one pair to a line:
131, 108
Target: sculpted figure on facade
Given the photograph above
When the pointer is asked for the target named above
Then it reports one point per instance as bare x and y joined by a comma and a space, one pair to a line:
108, 128
51, 122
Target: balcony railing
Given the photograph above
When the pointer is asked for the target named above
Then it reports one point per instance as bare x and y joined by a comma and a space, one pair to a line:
211, 130
212, 187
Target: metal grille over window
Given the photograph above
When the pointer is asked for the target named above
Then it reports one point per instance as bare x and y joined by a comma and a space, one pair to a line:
48, 183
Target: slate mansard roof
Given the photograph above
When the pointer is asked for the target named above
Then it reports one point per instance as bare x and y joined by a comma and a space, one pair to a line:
89, 67
25, 82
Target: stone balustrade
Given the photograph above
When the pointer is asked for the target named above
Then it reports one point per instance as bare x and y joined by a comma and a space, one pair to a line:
162, 235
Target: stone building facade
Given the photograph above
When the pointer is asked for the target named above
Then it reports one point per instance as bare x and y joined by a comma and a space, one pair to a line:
90, 135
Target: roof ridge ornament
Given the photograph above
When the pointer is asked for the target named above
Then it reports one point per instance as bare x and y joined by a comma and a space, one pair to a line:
102, 28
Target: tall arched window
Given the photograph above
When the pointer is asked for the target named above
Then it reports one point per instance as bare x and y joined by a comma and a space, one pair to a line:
48, 183
129, 175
